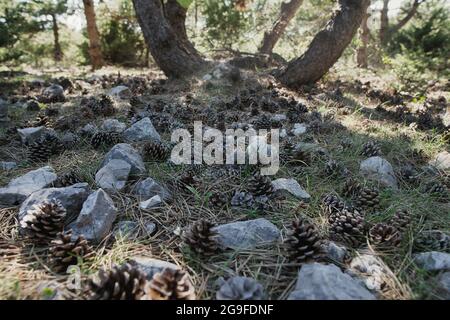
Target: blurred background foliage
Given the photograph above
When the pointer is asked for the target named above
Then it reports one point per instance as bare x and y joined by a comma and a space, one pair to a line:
417, 52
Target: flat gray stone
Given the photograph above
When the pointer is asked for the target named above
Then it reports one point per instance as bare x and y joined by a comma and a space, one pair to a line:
72, 198
441, 161
148, 188
88, 130
70, 140
433, 261
8, 165
299, 129
20, 188
327, 282
335, 252
247, 234
96, 217
113, 125
127, 153
129, 229
151, 266
279, 117
122, 92
240, 288
153, 202
113, 176
141, 130
30, 135
54, 93
380, 170
290, 187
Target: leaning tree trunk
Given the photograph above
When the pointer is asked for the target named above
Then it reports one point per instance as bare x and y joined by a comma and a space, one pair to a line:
95, 52
409, 15
361, 52
384, 22
175, 58
271, 37
57, 52
327, 46
176, 16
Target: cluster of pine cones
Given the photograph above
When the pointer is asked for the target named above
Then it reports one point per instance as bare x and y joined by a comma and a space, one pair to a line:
43, 225
128, 282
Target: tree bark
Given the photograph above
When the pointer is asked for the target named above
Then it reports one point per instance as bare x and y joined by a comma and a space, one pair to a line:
176, 16
407, 17
384, 22
327, 46
364, 35
387, 31
95, 52
175, 58
57, 52
271, 37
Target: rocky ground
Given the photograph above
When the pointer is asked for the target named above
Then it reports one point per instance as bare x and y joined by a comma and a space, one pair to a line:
358, 210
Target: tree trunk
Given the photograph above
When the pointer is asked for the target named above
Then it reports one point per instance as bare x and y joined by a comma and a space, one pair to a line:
271, 37
57, 52
176, 16
327, 46
175, 58
406, 19
364, 35
384, 22
387, 31
95, 52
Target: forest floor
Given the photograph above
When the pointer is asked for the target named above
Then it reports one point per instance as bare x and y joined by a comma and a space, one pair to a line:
343, 115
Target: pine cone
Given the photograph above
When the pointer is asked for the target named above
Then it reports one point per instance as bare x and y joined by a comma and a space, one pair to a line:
263, 122
124, 282
332, 203
187, 178
135, 102
347, 226
201, 238
240, 288
248, 201
332, 167
368, 198
371, 149
43, 221
218, 199
432, 240
346, 143
260, 185
401, 219
303, 242
67, 179
39, 121
170, 284
287, 151
65, 252
104, 106
48, 145
408, 175
351, 188
436, 189
296, 112
103, 138
384, 236
154, 150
